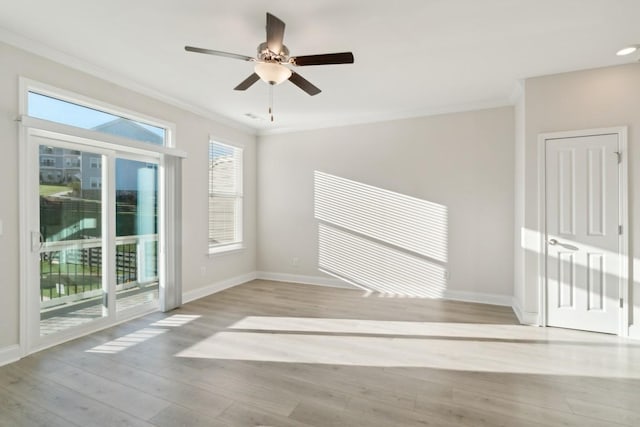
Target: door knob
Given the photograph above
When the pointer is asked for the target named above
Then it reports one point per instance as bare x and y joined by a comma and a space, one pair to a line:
553, 242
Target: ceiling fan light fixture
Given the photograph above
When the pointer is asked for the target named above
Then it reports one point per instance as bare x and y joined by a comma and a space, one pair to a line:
272, 72
627, 50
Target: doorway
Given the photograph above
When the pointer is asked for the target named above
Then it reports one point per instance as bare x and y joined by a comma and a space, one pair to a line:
93, 218
584, 234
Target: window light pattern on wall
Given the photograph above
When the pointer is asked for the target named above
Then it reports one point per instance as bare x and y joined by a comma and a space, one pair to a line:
378, 267
381, 240
407, 222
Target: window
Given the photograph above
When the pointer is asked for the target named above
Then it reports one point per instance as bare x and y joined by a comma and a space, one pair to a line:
95, 162
225, 197
47, 161
69, 113
95, 182
72, 162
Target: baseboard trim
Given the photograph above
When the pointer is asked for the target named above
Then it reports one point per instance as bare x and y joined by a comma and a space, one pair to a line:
493, 299
524, 317
305, 280
9, 354
479, 297
217, 287
515, 305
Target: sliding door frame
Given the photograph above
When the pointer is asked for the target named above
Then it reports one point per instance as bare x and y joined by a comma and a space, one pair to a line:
169, 206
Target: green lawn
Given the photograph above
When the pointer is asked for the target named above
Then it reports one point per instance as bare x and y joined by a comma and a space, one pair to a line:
47, 190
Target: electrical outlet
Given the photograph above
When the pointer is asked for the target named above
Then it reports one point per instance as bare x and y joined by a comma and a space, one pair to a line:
447, 275
295, 261
203, 271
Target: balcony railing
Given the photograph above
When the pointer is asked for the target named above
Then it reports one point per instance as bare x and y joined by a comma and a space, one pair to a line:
71, 271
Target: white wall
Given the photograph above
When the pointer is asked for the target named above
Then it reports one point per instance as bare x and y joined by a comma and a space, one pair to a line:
588, 99
463, 161
192, 136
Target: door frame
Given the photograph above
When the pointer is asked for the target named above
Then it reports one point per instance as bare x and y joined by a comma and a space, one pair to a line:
623, 218
31, 341
169, 186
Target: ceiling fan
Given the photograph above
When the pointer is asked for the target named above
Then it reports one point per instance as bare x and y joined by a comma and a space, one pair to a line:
272, 57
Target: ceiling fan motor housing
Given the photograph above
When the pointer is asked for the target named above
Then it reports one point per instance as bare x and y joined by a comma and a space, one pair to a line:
266, 55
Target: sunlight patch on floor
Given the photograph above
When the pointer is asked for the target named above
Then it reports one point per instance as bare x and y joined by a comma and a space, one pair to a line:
453, 346
127, 341
176, 320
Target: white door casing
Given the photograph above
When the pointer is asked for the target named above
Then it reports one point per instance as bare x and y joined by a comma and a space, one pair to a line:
584, 274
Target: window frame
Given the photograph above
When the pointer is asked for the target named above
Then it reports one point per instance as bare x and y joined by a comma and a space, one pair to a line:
28, 85
170, 170
238, 195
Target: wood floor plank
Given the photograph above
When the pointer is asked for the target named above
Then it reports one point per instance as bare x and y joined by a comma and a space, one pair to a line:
112, 393
175, 391
280, 354
606, 414
17, 412
502, 408
178, 416
240, 414
64, 402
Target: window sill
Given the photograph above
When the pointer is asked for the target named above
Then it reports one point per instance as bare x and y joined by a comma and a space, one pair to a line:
226, 250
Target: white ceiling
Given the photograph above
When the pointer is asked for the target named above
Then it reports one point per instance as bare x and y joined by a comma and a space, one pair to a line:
412, 57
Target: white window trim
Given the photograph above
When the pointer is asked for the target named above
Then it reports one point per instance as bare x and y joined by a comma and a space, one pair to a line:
226, 249
238, 245
169, 194
28, 85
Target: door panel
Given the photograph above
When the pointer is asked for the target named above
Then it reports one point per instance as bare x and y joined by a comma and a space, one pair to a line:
136, 233
582, 202
71, 204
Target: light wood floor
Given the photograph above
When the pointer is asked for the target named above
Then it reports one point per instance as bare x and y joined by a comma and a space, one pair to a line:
276, 354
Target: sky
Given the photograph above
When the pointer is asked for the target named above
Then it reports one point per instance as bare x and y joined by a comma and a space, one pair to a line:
56, 110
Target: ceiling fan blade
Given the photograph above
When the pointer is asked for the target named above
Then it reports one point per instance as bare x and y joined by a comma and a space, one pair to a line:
218, 53
304, 84
275, 33
324, 59
246, 83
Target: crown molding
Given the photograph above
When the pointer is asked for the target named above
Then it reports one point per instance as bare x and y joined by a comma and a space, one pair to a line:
388, 117
112, 76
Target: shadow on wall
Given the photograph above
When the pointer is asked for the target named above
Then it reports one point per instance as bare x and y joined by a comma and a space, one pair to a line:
380, 240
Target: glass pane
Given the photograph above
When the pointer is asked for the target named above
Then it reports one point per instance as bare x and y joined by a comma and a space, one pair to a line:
71, 291
222, 220
59, 111
136, 233
223, 168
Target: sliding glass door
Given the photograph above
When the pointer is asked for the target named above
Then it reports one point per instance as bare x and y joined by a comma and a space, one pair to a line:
94, 240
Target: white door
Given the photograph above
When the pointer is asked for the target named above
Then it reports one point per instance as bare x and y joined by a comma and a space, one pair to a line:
582, 221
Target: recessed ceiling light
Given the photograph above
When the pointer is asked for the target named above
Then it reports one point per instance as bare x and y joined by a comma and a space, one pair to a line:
627, 50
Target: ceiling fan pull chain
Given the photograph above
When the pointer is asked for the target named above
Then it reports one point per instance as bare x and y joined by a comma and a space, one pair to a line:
271, 101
